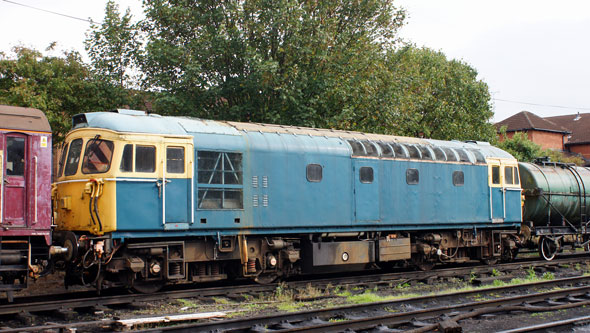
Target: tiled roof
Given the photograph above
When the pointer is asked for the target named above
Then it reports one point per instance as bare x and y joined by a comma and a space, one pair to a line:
527, 120
577, 124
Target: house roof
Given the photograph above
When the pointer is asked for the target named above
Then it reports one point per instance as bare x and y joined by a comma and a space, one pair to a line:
526, 120
577, 124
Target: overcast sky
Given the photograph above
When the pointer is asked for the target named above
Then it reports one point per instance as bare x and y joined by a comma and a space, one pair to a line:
528, 51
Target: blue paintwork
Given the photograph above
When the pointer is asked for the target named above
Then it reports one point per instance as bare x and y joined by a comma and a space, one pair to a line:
338, 203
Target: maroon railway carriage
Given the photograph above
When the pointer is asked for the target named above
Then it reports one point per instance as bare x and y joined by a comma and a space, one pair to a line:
25, 195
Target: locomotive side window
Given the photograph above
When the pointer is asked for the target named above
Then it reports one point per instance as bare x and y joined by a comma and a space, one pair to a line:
366, 175
458, 178
516, 175
412, 176
127, 159
15, 156
425, 152
386, 150
98, 156
314, 173
220, 180
495, 174
438, 154
450, 154
399, 150
414, 153
73, 157
508, 177
62, 160
145, 158
175, 159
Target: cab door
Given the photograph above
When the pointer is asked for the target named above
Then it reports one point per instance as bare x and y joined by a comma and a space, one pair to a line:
497, 197
14, 181
177, 186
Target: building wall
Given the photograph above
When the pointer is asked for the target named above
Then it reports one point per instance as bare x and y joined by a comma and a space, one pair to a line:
547, 140
581, 149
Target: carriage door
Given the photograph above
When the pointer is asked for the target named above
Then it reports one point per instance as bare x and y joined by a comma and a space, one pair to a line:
14, 180
176, 185
497, 191
366, 190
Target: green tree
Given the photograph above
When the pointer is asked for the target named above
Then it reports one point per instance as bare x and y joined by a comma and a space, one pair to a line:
519, 146
318, 64
113, 45
437, 98
59, 86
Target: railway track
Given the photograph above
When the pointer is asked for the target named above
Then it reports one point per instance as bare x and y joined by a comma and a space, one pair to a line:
89, 300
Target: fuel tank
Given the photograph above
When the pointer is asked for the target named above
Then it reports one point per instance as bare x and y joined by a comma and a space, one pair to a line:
554, 191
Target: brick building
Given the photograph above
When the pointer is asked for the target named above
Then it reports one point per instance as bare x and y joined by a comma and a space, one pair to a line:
570, 133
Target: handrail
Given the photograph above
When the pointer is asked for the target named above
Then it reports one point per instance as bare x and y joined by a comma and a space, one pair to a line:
35, 184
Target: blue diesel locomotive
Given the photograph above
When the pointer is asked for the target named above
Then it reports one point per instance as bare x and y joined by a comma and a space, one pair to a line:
143, 200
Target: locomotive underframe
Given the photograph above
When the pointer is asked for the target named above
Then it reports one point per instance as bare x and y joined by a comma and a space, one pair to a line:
147, 264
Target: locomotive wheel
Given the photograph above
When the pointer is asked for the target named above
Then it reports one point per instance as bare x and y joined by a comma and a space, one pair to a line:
266, 278
147, 287
425, 266
548, 248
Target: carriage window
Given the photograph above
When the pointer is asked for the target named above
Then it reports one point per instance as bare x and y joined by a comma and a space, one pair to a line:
98, 156
314, 173
15, 156
412, 176
508, 179
73, 157
495, 174
62, 160
145, 158
458, 178
127, 159
366, 175
175, 159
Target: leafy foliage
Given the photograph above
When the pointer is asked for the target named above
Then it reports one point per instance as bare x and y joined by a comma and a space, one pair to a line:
520, 146
287, 61
59, 86
438, 98
113, 45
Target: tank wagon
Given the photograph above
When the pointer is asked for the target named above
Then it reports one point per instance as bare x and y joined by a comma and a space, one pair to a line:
556, 207
143, 200
25, 202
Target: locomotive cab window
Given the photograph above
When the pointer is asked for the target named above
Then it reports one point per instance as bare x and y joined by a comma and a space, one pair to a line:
496, 174
516, 175
62, 160
127, 159
145, 158
175, 159
314, 173
73, 157
412, 176
366, 175
508, 176
98, 156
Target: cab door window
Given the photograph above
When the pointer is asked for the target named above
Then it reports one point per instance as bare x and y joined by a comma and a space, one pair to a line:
175, 159
496, 175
